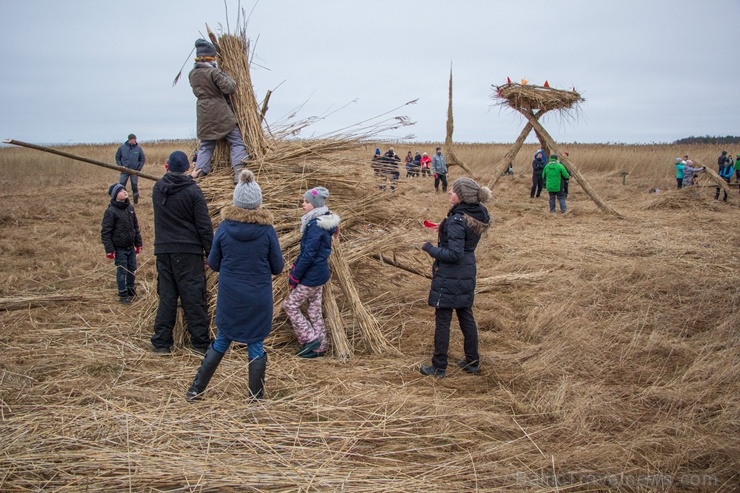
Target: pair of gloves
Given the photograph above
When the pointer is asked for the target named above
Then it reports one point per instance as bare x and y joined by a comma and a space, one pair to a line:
112, 255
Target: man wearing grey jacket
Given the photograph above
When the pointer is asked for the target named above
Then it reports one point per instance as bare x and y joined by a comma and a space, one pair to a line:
439, 170
131, 156
216, 119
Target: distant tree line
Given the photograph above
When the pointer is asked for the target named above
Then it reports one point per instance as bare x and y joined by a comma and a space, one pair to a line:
730, 139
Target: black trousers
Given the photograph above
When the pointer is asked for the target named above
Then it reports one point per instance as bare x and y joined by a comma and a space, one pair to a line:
537, 184
181, 276
440, 178
442, 320
716, 195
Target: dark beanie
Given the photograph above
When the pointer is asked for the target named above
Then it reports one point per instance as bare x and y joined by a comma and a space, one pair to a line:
178, 162
114, 189
204, 48
131, 136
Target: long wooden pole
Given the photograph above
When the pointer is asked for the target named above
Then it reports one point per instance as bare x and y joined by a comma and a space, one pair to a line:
120, 169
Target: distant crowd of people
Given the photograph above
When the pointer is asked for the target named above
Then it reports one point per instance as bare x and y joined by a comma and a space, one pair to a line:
386, 167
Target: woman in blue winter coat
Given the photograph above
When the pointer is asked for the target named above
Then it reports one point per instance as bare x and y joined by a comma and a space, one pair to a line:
246, 254
310, 272
454, 272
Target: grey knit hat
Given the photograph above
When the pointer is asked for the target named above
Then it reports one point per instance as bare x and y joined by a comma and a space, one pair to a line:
114, 189
317, 196
470, 192
247, 193
204, 48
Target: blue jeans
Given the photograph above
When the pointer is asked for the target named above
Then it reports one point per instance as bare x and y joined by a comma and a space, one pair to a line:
125, 263
561, 199
221, 344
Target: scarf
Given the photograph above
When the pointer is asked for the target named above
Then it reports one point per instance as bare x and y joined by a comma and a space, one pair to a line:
306, 218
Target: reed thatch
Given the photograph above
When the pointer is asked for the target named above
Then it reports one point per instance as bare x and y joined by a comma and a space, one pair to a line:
532, 97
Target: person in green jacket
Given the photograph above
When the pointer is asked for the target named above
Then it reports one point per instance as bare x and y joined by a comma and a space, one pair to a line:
553, 174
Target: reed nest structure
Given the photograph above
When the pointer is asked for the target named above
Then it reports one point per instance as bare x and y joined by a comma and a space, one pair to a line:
533, 102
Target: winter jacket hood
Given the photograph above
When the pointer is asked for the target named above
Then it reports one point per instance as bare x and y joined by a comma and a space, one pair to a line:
329, 222
233, 217
172, 183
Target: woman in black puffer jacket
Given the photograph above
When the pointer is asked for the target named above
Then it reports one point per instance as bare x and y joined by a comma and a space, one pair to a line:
454, 273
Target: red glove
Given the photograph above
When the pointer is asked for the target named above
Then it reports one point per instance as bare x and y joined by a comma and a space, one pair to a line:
137, 250
111, 255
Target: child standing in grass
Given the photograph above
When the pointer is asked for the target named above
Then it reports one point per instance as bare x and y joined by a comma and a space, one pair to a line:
310, 272
122, 240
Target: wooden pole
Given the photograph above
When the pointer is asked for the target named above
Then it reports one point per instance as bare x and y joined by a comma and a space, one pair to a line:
572, 169
115, 167
500, 169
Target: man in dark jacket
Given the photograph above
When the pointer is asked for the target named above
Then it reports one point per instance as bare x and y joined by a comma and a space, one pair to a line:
131, 156
216, 119
183, 234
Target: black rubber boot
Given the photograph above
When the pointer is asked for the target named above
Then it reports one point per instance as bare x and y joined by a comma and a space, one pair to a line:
207, 368
257, 369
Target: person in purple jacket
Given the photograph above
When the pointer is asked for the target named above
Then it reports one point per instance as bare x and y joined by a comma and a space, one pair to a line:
246, 254
310, 272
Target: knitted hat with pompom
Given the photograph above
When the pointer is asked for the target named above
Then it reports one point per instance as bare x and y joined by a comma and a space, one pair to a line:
470, 192
247, 193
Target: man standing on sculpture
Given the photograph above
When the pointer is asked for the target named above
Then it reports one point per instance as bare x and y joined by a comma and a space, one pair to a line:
216, 119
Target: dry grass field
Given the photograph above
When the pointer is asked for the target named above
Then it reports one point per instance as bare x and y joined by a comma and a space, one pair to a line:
610, 347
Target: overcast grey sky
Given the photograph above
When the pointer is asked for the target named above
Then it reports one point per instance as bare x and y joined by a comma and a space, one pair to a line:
92, 71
